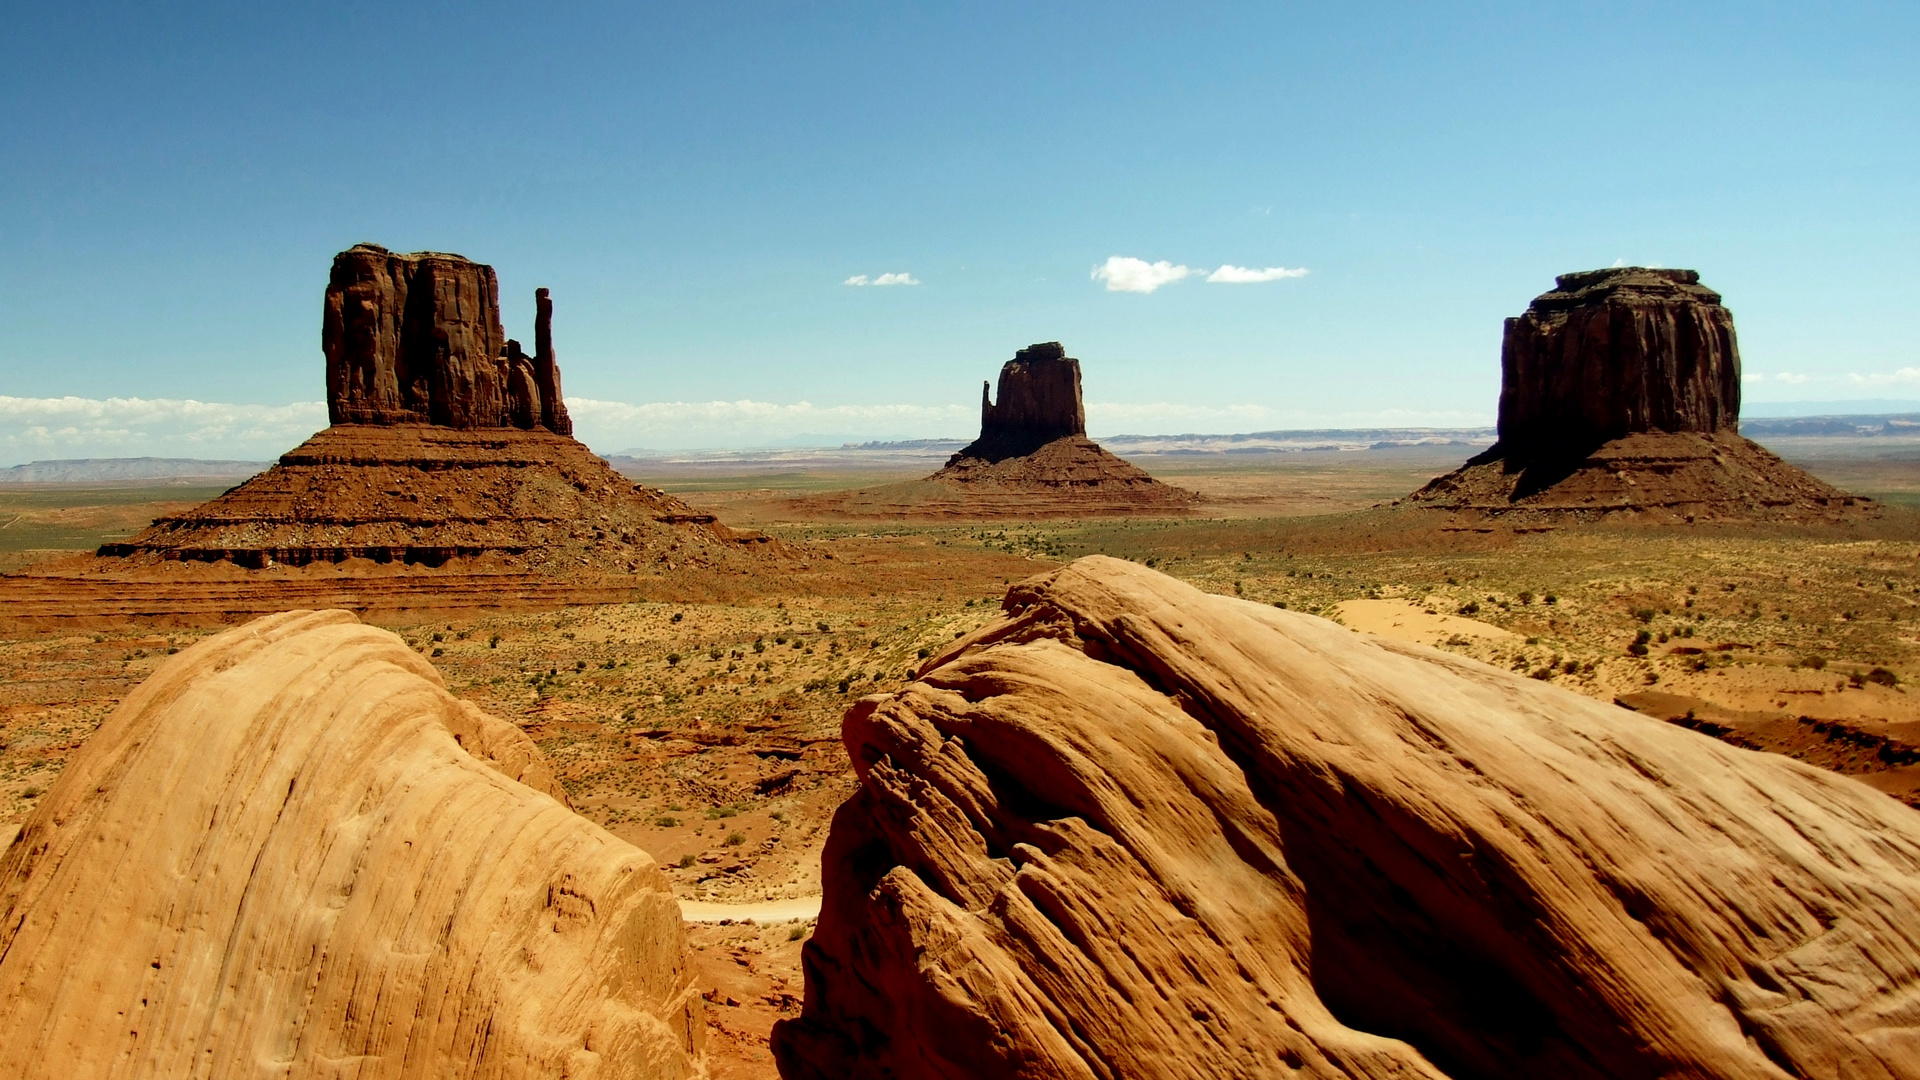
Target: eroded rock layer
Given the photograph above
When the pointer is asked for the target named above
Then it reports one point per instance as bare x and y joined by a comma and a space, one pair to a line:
1659, 478
430, 495
290, 852
1136, 830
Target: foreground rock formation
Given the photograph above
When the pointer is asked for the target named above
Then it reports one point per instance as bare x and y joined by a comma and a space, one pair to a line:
1032, 459
417, 339
291, 852
1136, 830
448, 443
1620, 394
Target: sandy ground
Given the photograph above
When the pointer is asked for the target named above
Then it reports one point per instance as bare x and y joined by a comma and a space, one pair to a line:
1407, 620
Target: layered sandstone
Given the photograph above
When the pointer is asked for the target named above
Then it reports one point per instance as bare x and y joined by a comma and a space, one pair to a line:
1138, 830
427, 495
1620, 396
1032, 460
291, 852
417, 339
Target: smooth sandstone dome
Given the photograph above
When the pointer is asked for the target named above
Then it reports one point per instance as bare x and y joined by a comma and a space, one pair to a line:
1136, 830
290, 852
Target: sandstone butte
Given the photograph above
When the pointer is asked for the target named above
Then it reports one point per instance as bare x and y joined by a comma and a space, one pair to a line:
1620, 397
1032, 459
448, 444
290, 852
1136, 830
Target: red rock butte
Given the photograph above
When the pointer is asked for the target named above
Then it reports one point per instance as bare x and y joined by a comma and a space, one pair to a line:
448, 444
1620, 396
1033, 458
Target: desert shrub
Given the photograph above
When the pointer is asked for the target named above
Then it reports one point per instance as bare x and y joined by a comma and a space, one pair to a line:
673, 658
1644, 614
1542, 674
1883, 677
1570, 667
822, 627
797, 932
677, 616
1814, 662
579, 665
925, 652
687, 861
1550, 599
715, 653
736, 839
493, 642
844, 684
1641, 637
667, 822
1526, 597
1471, 607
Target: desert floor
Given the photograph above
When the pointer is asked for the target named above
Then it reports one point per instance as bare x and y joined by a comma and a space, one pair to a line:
706, 730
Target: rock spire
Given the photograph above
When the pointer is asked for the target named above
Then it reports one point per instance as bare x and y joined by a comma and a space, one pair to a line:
417, 339
1610, 353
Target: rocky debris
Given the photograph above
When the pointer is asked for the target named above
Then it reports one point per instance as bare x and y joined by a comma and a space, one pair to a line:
417, 339
1620, 396
1032, 460
1039, 402
291, 849
1134, 829
426, 495
1609, 353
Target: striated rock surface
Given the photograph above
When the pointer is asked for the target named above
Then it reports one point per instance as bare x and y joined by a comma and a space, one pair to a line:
1032, 460
417, 339
1612, 352
430, 495
1136, 830
290, 852
1620, 397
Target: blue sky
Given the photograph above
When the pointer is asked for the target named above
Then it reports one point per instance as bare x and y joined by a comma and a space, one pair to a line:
696, 183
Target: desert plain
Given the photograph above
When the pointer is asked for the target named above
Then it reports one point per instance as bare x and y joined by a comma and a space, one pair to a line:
701, 722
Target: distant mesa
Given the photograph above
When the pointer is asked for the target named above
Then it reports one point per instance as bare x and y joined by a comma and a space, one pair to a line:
1620, 395
449, 444
1032, 460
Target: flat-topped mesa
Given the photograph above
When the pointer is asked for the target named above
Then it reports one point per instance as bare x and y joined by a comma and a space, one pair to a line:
417, 339
1614, 352
1039, 401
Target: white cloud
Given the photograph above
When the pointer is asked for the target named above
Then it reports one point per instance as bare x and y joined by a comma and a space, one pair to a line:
1789, 377
1229, 274
1904, 377
1125, 274
902, 278
74, 427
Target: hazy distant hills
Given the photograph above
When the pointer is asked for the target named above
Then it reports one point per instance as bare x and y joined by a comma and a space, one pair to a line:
136, 469
917, 451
